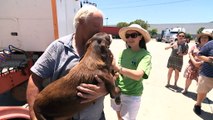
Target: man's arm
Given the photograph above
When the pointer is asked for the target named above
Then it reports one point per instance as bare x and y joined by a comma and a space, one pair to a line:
205, 58
33, 88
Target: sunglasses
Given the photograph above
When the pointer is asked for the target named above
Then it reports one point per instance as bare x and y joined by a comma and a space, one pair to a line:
181, 36
132, 35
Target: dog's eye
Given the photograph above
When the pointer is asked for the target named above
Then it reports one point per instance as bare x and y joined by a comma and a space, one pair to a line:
99, 41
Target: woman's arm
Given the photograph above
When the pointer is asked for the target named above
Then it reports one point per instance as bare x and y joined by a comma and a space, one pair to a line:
168, 47
171, 45
194, 62
133, 74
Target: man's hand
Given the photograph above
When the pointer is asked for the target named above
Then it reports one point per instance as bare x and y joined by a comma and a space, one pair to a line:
91, 92
211, 60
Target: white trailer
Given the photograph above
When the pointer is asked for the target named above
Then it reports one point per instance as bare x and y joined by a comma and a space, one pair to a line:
170, 34
32, 24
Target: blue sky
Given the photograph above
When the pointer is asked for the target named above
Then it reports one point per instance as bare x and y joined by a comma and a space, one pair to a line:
156, 11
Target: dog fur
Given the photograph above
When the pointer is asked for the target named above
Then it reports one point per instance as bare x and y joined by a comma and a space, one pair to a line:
59, 99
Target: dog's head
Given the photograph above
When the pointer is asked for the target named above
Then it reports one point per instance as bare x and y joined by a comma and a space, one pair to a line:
99, 44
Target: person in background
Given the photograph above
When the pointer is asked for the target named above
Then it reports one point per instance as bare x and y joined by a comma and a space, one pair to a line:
63, 54
192, 70
205, 80
188, 38
183, 47
134, 65
175, 61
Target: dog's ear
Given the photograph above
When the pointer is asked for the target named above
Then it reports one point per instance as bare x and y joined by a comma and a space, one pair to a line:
96, 38
104, 45
101, 42
88, 43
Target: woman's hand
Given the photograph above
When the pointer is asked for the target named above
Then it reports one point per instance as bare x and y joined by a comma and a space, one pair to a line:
90, 92
116, 67
166, 48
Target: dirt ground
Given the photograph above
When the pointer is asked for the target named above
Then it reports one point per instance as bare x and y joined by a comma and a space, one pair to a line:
159, 102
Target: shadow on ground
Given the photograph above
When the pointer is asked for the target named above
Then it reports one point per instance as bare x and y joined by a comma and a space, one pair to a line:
174, 88
193, 96
206, 115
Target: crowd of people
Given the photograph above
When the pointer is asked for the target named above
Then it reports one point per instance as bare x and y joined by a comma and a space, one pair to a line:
199, 66
133, 66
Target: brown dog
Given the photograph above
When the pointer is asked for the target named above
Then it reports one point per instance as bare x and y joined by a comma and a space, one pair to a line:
59, 99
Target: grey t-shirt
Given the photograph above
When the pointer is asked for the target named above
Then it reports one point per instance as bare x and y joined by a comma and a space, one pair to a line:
55, 62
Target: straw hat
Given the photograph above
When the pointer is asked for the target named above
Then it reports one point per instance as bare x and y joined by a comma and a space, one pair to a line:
137, 28
206, 33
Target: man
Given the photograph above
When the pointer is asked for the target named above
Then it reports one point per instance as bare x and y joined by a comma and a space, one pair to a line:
63, 54
205, 82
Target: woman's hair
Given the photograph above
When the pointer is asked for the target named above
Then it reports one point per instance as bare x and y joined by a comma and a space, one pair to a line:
182, 33
84, 13
142, 43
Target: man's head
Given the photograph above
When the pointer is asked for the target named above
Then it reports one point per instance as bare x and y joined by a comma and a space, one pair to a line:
88, 20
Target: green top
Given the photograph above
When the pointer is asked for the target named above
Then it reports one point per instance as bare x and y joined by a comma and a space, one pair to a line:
140, 60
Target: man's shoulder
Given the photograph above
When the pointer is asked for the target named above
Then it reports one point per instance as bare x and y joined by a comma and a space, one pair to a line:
210, 43
65, 41
65, 37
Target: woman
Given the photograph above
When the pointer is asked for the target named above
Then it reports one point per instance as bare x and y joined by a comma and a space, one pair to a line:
134, 65
175, 61
192, 70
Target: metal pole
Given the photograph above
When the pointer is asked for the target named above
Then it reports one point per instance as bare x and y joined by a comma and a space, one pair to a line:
106, 21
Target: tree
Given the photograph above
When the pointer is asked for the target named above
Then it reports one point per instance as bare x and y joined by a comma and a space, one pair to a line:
153, 33
200, 30
122, 24
142, 23
188, 36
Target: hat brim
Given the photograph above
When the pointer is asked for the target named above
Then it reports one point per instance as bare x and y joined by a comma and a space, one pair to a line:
204, 34
122, 33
